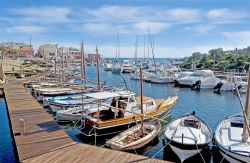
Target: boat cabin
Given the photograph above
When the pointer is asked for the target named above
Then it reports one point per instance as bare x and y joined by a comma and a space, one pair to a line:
122, 103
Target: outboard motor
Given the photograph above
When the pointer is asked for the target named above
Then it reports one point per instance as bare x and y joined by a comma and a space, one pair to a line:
196, 85
239, 87
176, 83
218, 87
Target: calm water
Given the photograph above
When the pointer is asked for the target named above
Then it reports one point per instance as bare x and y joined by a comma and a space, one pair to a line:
6, 141
211, 107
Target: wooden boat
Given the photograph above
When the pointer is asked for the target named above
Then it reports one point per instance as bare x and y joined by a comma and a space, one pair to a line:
137, 136
133, 139
229, 140
188, 135
124, 110
233, 134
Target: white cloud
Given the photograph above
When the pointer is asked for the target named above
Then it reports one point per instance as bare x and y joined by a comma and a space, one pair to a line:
200, 29
26, 29
135, 19
155, 27
182, 15
239, 37
225, 15
42, 14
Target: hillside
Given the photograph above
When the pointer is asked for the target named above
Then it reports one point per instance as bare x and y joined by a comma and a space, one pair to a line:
224, 60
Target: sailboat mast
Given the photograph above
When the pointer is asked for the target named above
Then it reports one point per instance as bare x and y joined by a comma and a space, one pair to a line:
84, 67
144, 48
245, 133
152, 47
98, 69
141, 94
136, 50
83, 73
62, 68
55, 68
118, 47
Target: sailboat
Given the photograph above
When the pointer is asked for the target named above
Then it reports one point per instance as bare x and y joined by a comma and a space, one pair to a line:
232, 134
188, 135
137, 136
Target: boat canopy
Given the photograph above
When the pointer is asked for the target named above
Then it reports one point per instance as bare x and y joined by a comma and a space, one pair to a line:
107, 95
102, 95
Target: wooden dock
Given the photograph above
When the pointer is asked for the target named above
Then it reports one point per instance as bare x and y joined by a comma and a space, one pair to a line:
45, 141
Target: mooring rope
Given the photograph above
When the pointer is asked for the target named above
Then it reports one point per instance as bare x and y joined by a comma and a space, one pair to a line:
200, 153
161, 149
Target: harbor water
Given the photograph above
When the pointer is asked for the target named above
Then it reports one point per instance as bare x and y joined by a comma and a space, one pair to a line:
210, 107
7, 153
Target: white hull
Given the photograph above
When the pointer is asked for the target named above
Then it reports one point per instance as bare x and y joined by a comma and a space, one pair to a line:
229, 140
68, 117
184, 154
55, 108
134, 76
126, 70
161, 80
121, 143
188, 135
231, 157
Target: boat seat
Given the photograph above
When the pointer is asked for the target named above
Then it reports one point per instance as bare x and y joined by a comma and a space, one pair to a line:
234, 133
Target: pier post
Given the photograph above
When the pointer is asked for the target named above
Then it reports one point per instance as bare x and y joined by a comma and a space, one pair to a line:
22, 126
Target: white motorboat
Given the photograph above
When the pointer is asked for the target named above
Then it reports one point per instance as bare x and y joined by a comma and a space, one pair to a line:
231, 83
108, 66
126, 67
203, 79
188, 135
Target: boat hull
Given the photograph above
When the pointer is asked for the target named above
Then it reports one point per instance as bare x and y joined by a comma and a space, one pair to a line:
100, 131
116, 70
114, 143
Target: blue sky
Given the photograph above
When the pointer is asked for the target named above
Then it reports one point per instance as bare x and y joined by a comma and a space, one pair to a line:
179, 27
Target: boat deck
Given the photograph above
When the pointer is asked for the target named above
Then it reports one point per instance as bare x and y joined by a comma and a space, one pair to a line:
44, 140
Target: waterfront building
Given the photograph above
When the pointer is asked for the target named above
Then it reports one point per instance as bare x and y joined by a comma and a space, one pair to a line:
74, 53
47, 50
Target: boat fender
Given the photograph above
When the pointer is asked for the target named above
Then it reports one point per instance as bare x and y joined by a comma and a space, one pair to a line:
196, 85
238, 87
218, 87
176, 83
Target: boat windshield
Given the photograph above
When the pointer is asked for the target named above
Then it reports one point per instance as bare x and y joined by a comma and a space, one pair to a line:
198, 75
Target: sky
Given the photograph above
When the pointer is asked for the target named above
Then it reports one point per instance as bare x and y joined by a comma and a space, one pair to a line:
178, 27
